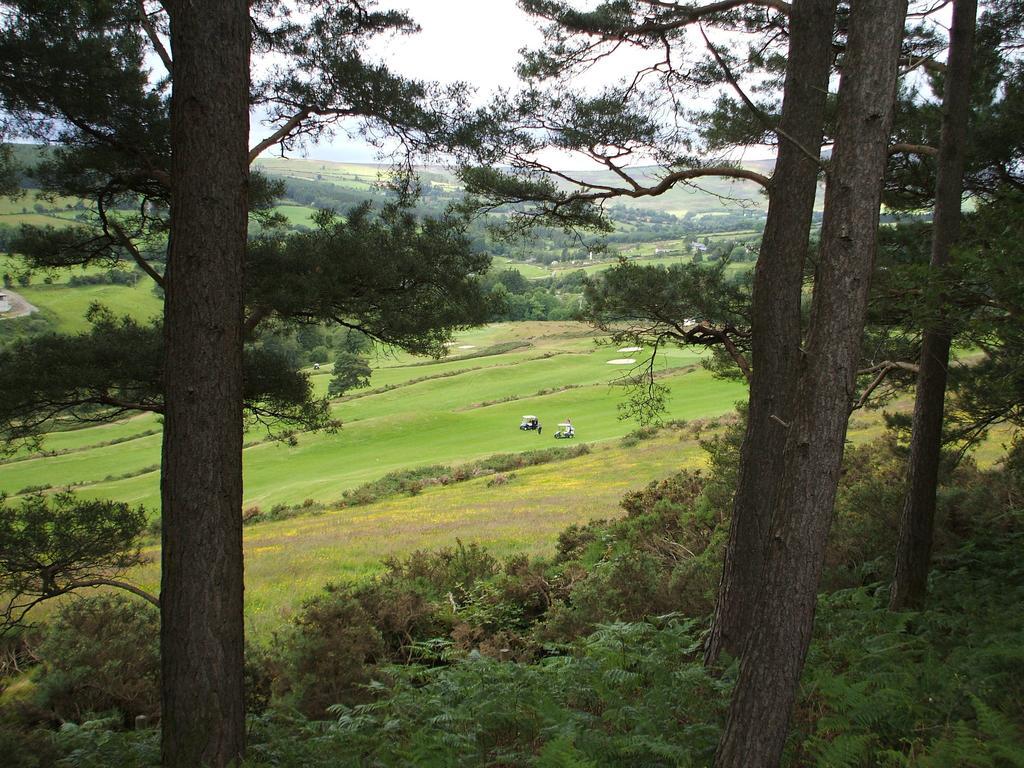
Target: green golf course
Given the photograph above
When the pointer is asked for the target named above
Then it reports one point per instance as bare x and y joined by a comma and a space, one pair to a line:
415, 412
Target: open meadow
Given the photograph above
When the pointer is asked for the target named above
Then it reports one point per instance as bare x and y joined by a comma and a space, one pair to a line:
65, 305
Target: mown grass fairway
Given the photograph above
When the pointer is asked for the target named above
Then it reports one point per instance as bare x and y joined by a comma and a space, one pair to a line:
415, 413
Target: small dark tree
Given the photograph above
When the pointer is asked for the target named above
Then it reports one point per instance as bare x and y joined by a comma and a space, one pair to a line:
50, 546
350, 372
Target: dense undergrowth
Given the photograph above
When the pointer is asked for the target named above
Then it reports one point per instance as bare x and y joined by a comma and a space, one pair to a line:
592, 657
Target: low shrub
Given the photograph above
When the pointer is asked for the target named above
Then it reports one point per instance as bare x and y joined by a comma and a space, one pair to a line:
101, 654
329, 655
449, 570
501, 479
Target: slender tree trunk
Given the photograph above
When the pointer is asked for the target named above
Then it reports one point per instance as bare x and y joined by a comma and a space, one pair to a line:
778, 280
913, 551
201, 490
774, 654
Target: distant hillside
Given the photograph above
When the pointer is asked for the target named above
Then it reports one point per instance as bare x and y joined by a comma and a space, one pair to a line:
326, 183
25, 156
357, 181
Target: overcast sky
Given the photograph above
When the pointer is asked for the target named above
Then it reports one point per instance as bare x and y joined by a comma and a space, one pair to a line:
473, 41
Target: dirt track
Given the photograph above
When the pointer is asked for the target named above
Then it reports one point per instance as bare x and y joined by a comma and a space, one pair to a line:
19, 306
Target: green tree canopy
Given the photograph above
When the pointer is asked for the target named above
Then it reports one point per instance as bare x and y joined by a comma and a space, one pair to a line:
50, 546
350, 372
396, 278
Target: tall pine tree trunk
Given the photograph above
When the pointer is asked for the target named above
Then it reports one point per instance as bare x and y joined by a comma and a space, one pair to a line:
201, 488
778, 280
913, 551
774, 653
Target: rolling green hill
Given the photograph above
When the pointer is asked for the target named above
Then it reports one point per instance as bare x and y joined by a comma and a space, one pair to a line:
416, 412
65, 305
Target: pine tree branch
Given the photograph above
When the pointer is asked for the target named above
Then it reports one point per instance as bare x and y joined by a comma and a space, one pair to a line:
671, 180
281, 133
101, 582
123, 238
154, 38
883, 370
913, 149
814, 157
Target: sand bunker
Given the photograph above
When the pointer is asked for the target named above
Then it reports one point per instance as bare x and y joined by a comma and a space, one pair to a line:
467, 346
631, 349
622, 361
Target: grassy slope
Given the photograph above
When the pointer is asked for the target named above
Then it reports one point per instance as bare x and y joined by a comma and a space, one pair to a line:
436, 420
290, 560
69, 305
66, 305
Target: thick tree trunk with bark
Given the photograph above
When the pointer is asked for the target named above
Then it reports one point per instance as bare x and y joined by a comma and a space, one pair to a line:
778, 280
201, 489
774, 654
913, 552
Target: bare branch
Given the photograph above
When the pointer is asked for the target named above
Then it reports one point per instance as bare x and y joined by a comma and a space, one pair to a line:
123, 238
283, 132
256, 316
882, 370
154, 38
681, 16
814, 157
668, 181
114, 583
909, 64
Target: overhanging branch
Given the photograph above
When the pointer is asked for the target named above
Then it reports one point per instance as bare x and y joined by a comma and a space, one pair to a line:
882, 371
154, 38
100, 582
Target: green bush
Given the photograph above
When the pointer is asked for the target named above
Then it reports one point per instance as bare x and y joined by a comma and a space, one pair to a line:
449, 570
329, 655
101, 654
26, 749
404, 615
